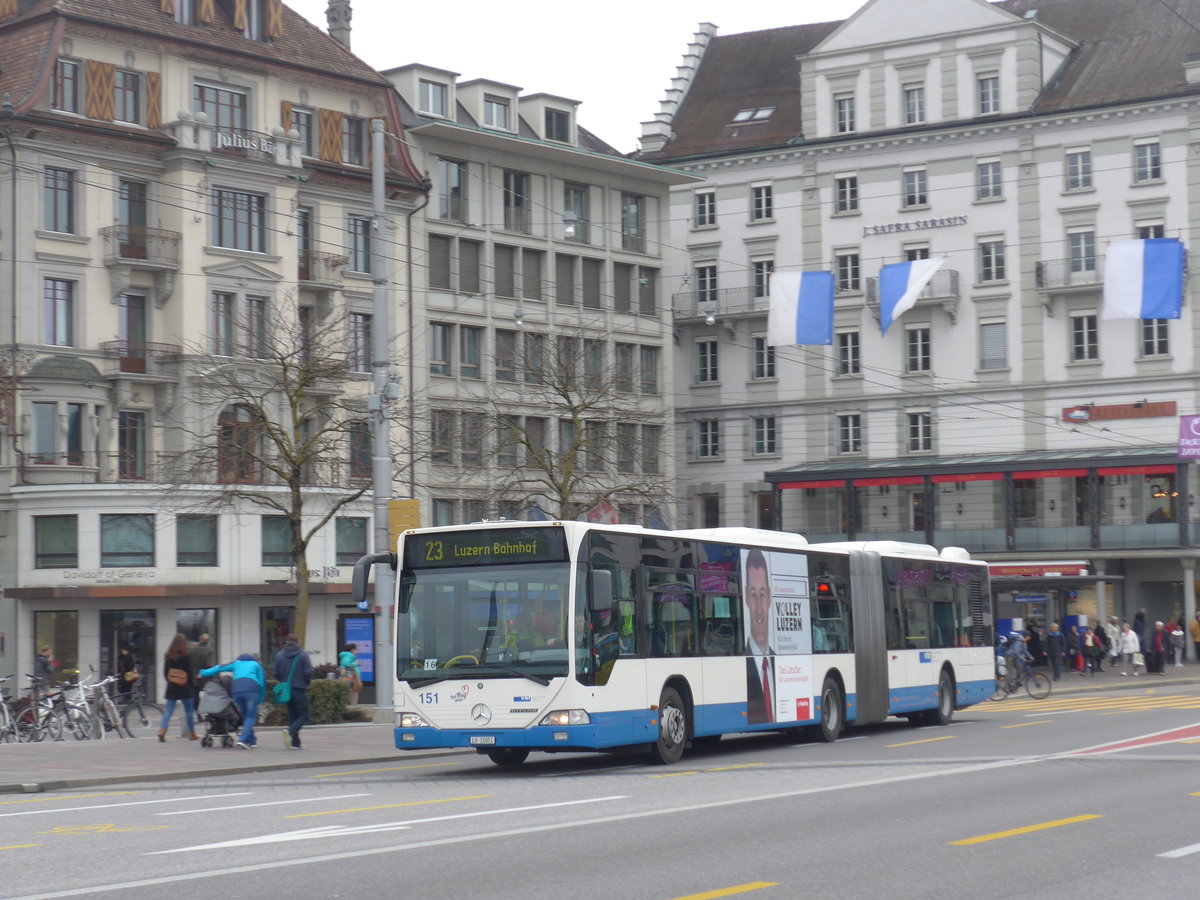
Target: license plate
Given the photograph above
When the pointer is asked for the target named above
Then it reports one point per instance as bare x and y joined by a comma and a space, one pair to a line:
483, 739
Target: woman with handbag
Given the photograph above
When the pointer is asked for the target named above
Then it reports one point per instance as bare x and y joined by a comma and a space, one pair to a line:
178, 672
127, 671
349, 671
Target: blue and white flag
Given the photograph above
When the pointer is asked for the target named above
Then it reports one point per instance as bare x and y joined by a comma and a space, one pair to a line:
1143, 279
900, 284
801, 310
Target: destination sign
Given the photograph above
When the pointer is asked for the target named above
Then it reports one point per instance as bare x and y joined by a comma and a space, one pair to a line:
489, 546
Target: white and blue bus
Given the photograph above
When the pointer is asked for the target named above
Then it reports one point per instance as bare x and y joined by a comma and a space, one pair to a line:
570, 636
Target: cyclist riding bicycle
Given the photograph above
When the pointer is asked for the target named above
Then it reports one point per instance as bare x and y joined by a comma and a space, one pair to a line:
1017, 656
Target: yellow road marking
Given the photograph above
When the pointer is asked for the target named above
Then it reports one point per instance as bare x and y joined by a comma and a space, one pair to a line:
102, 829
728, 768
1012, 832
1192, 741
47, 799
675, 774
19, 846
730, 891
1027, 724
388, 769
948, 737
334, 812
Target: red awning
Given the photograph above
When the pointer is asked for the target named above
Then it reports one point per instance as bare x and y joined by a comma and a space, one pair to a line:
1040, 569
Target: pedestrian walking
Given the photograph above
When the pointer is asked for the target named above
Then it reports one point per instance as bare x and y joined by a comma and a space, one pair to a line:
249, 686
178, 674
1154, 648
294, 668
1177, 644
1131, 649
1075, 650
349, 671
202, 658
1092, 651
1112, 631
43, 668
1056, 649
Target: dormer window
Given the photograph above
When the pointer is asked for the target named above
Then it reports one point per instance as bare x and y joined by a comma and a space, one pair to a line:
497, 113
558, 126
434, 98
760, 114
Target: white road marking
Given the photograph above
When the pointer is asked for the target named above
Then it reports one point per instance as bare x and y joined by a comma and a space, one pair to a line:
186, 812
1182, 851
42, 812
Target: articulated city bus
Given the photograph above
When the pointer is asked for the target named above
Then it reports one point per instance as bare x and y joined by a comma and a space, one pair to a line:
570, 636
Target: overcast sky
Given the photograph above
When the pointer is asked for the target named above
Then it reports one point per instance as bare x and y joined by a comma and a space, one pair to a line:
616, 57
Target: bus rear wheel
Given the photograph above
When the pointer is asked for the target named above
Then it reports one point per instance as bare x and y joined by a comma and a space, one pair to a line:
944, 711
672, 729
831, 713
508, 756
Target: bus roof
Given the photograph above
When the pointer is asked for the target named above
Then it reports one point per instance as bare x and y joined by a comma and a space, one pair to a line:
899, 548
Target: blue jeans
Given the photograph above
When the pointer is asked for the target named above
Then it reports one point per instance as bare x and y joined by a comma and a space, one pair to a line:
187, 712
297, 714
247, 705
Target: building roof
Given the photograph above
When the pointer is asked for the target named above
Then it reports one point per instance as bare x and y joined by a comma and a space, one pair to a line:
1126, 50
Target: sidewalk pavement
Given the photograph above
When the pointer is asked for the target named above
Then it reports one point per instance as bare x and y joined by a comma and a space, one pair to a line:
62, 765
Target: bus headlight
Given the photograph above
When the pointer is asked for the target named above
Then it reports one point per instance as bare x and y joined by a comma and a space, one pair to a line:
411, 720
566, 717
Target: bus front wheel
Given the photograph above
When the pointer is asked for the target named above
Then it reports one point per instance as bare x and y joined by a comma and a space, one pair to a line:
672, 729
831, 712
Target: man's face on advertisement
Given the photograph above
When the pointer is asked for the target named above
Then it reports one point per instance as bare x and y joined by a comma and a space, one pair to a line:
758, 599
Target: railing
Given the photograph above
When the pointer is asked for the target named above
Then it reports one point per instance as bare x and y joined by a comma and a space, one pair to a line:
1084, 271
319, 267
204, 467
942, 286
133, 356
135, 244
723, 301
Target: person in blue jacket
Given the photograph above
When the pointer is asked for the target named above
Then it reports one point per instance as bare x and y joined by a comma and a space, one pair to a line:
249, 688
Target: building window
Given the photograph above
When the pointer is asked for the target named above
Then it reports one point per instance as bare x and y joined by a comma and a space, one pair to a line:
358, 243
754, 114
849, 433
708, 438
706, 209
255, 330
558, 126
442, 437
914, 104
762, 269
848, 353
1082, 250
534, 360
126, 540
648, 369
351, 540
496, 113
1079, 170
506, 355
993, 345
706, 362
706, 284
575, 200
226, 109
237, 446
442, 512
359, 437
222, 324
623, 375
762, 204
358, 350
471, 445
1085, 338
991, 261
59, 200
66, 88
452, 190
516, 201
440, 348
1147, 161
764, 435
195, 541
844, 114
239, 220
846, 270
988, 182
354, 141
710, 510
1154, 337
651, 449
1150, 230
917, 349
764, 360
916, 187
470, 351
302, 121
988, 94
58, 312
633, 234
55, 542
593, 364
845, 193
131, 444
276, 541
433, 98
920, 432
127, 97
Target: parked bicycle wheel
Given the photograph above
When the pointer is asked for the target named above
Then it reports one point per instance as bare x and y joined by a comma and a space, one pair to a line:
1038, 686
141, 719
48, 726
81, 724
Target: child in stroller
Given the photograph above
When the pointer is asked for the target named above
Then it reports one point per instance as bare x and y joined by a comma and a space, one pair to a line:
219, 712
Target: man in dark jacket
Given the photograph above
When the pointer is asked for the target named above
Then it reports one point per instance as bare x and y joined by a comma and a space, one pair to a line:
1056, 649
293, 662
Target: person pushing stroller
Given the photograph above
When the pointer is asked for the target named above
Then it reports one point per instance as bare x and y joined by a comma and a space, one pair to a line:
249, 688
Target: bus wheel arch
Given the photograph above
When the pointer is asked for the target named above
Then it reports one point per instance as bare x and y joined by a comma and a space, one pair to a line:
946, 695
674, 722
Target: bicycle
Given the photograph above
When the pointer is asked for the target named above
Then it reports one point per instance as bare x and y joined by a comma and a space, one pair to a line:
35, 715
1037, 685
105, 709
8, 727
80, 720
139, 717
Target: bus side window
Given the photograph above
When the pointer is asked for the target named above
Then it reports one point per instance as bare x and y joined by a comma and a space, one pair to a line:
719, 627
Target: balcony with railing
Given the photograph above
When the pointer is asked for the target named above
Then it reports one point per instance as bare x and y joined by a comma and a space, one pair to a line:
942, 289
1077, 272
140, 247
320, 269
204, 467
718, 302
154, 360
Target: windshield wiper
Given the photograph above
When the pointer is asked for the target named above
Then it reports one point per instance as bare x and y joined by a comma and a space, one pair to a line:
538, 679
450, 676
423, 682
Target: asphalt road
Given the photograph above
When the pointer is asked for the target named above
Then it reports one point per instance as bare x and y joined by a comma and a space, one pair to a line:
1008, 800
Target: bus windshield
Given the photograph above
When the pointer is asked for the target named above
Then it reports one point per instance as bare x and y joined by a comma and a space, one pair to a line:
494, 621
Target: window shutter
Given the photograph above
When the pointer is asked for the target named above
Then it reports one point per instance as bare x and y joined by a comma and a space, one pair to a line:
153, 100
99, 79
993, 345
330, 137
168, 7
285, 114
274, 18
206, 12
239, 14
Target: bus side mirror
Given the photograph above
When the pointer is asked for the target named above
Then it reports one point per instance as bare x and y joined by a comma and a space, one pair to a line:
602, 590
362, 575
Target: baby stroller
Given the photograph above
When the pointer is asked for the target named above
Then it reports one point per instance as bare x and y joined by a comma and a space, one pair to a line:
219, 712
